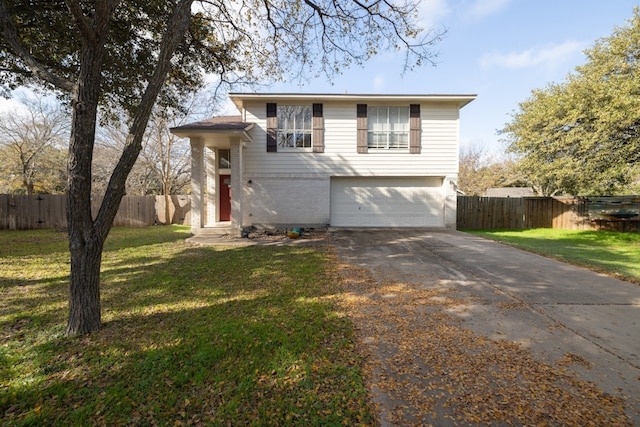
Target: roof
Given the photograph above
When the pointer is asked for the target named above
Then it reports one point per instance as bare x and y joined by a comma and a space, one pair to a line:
219, 125
510, 192
239, 98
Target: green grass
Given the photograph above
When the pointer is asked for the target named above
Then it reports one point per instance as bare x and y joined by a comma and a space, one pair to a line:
191, 336
609, 252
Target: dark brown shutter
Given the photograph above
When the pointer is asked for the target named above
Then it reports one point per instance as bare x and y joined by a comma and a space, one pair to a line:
361, 118
414, 129
272, 127
318, 129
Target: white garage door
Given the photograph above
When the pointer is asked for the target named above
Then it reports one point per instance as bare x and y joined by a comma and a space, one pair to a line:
387, 202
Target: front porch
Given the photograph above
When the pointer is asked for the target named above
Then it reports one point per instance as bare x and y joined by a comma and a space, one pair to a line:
216, 172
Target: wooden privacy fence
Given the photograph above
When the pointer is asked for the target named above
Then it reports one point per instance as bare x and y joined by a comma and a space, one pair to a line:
19, 212
569, 213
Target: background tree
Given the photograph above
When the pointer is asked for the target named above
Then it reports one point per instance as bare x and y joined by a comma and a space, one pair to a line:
167, 156
164, 163
32, 140
582, 136
480, 170
128, 55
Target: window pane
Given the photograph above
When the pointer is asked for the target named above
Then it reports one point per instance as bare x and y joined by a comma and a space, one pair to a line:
371, 140
305, 118
372, 118
377, 140
285, 119
224, 158
285, 139
393, 116
402, 139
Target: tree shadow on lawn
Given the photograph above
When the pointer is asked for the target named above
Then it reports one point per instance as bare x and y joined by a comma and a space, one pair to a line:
51, 242
200, 275
238, 336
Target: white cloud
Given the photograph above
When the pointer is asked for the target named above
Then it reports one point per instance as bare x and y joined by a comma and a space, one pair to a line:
480, 9
432, 12
378, 82
549, 56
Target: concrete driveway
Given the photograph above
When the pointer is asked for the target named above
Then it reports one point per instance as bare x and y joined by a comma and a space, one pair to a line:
555, 311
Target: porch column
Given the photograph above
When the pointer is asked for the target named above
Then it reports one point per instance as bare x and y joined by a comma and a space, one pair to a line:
197, 184
236, 183
211, 180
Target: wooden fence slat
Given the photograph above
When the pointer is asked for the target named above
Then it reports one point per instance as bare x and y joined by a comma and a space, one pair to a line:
5, 199
570, 213
23, 212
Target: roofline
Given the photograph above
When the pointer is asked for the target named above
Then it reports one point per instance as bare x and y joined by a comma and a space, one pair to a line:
187, 131
239, 98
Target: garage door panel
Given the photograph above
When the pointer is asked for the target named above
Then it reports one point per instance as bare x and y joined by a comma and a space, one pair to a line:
387, 202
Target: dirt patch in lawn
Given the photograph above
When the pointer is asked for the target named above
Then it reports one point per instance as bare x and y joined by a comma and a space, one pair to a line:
424, 368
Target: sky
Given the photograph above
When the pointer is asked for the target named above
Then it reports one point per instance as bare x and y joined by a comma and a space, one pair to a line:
499, 50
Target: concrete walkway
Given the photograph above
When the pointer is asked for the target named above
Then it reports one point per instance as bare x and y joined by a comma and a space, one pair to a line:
550, 308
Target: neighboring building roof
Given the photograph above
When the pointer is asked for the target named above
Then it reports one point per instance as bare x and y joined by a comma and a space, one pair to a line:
510, 192
239, 98
218, 125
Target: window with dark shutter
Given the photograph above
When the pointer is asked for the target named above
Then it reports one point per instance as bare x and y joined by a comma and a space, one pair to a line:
272, 127
318, 129
414, 129
362, 133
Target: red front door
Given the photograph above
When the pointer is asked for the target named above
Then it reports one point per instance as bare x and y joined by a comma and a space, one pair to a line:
225, 197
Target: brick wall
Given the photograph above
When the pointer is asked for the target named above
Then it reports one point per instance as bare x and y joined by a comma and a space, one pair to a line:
286, 201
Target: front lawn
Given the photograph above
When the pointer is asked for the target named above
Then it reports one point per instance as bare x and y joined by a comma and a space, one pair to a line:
614, 253
192, 336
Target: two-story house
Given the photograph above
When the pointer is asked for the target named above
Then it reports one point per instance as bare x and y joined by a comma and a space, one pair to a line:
309, 160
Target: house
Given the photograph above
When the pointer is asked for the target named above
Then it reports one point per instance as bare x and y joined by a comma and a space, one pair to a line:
309, 160
510, 192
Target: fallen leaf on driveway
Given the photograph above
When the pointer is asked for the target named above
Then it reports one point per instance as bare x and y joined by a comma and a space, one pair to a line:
424, 368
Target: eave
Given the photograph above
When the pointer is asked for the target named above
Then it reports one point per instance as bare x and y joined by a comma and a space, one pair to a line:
459, 99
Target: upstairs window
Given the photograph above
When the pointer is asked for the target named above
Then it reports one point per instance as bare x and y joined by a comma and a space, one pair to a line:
294, 126
388, 128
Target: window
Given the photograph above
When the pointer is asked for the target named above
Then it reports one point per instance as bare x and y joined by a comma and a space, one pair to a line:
294, 126
388, 128
224, 158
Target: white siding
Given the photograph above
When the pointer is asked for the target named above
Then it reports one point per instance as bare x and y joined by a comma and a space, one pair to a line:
439, 156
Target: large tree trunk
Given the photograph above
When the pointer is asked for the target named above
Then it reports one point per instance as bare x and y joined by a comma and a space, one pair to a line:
84, 292
85, 238
86, 235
